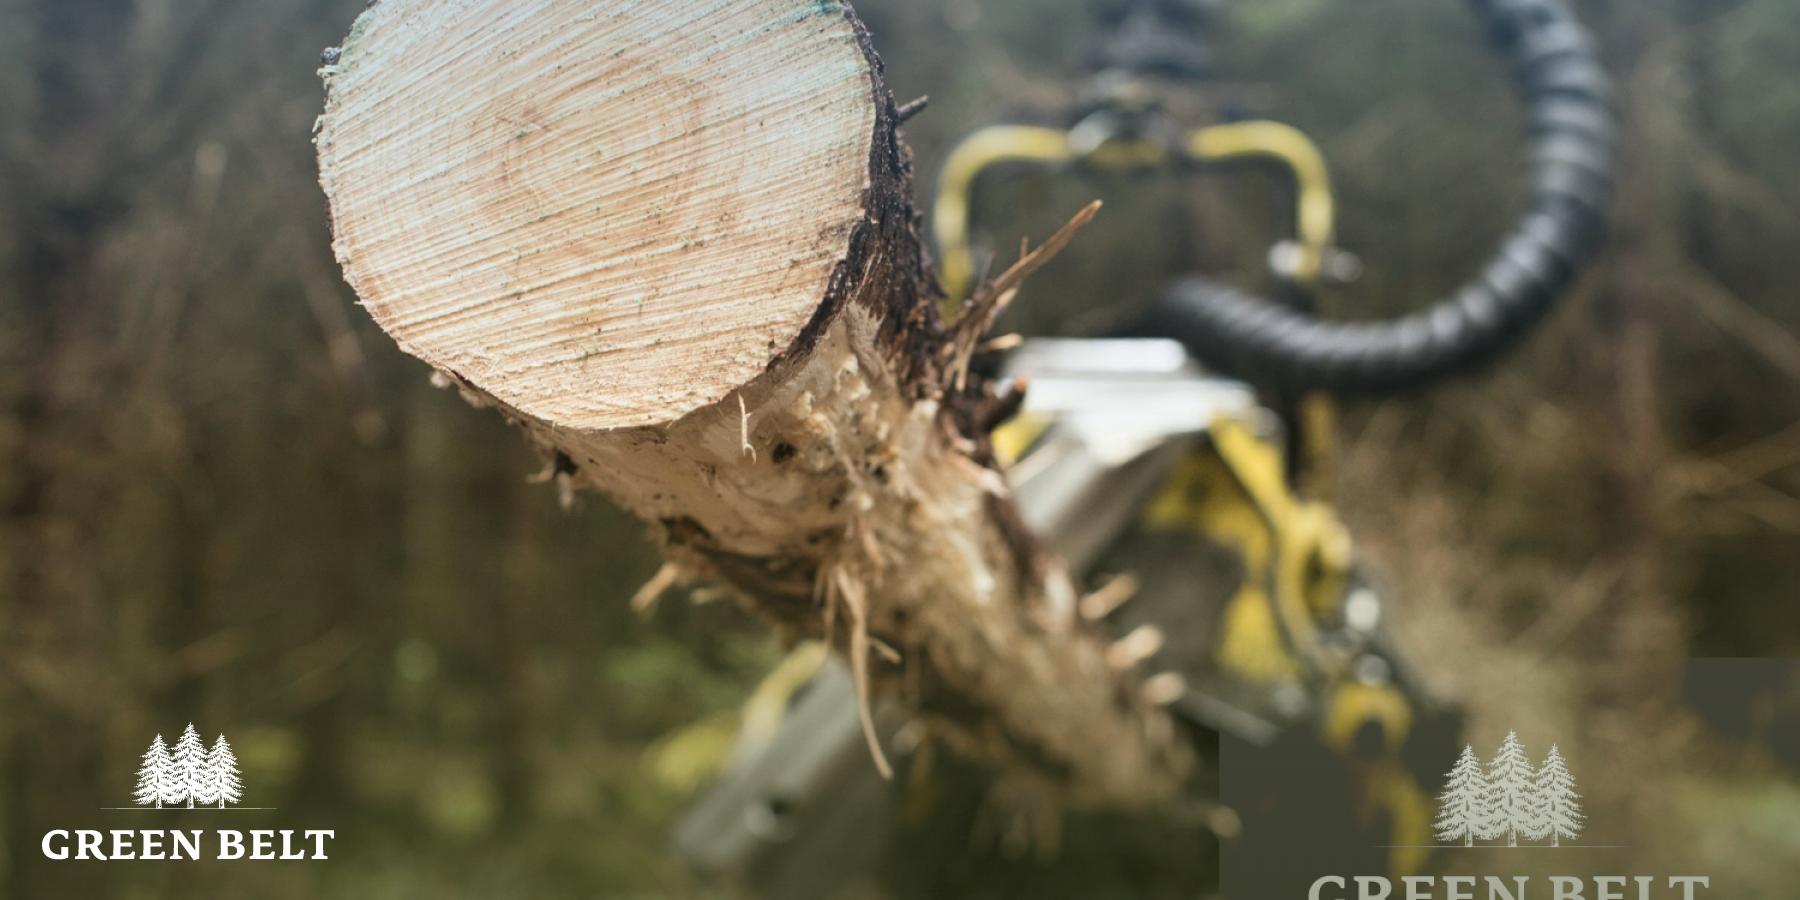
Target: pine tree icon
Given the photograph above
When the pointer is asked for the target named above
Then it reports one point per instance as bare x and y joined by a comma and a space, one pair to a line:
1558, 810
1512, 791
189, 773
189, 766
223, 783
1462, 807
156, 777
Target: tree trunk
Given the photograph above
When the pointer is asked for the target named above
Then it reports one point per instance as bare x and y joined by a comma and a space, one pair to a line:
675, 243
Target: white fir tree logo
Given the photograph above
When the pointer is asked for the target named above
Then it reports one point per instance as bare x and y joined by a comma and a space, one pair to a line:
1462, 807
190, 774
189, 760
156, 777
1511, 794
221, 774
1558, 810
1509, 799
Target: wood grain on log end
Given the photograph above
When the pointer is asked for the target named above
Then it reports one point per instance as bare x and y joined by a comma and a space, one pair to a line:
605, 215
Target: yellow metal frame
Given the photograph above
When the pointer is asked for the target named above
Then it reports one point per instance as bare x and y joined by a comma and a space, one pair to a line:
1297, 558
1314, 213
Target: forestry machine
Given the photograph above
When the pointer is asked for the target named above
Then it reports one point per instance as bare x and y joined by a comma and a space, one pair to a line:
1190, 448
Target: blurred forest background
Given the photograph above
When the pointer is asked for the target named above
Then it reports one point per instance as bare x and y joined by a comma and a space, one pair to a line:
225, 497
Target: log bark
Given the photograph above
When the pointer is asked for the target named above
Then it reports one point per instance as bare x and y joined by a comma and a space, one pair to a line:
676, 243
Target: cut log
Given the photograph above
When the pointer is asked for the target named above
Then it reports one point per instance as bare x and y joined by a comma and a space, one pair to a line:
675, 242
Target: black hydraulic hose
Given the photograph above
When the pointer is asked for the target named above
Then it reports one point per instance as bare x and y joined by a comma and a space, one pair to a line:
1571, 134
